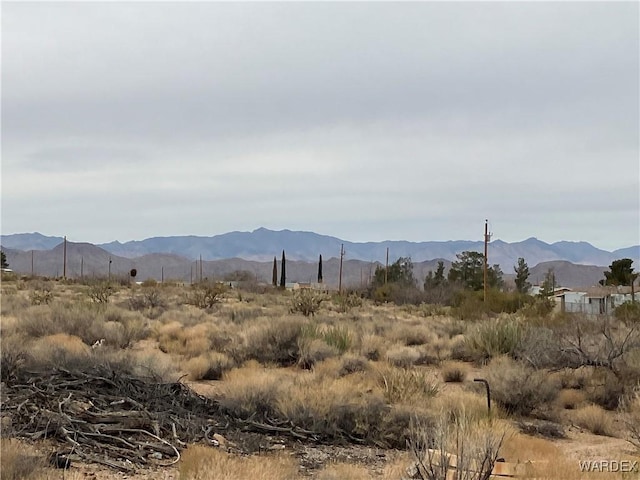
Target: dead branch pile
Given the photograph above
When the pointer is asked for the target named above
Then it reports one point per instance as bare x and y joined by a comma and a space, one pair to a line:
113, 418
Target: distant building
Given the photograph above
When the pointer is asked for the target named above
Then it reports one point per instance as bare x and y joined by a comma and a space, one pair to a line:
594, 301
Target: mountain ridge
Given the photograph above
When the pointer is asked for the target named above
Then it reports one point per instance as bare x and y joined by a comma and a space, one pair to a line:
262, 245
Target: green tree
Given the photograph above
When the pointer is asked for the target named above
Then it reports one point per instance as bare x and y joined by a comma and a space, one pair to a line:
469, 272
400, 272
522, 275
274, 274
435, 280
3, 260
620, 273
320, 270
283, 272
549, 284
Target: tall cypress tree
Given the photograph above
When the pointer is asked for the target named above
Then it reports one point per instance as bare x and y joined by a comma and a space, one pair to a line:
283, 272
320, 270
274, 277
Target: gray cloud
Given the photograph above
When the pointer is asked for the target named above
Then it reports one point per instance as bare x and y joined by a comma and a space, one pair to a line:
362, 120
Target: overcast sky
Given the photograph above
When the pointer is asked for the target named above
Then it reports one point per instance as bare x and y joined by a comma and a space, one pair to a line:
365, 121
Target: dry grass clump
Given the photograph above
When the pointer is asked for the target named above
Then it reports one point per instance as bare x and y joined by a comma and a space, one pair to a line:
402, 356
253, 390
631, 415
372, 347
412, 335
570, 399
350, 363
594, 419
454, 372
59, 350
91, 323
16, 463
204, 463
190, 341
402, 385
456, 404
312, 351
494, 337
208, 366
335, 407
343, 471
518, 388
574, 378
274, 342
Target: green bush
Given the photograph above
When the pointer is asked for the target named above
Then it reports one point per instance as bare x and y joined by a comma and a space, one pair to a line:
628, 312
495, 337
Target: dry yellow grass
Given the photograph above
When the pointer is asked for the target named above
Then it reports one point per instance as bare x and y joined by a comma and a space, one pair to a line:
570, 399
205, 463
454, 371
343, 471
594, 419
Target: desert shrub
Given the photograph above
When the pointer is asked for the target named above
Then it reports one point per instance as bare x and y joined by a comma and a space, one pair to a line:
594, 419
462, 403
59, 350
372, 346
352, 364
576, 379
605, 389
312, 351
147, 298
454, 372
630, 407
336, 336
570, 399
274, 342
467, 305
205, 295
459, 449
347, 301
41, 294
538, 307
251, 392
540, 347
209, 366
401, 385
412, 335
628, 312
494, 337
101, 292
334, 408
191, 342
306, 301
404, 357
518, 388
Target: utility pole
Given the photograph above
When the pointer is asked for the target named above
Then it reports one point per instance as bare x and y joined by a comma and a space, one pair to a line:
340, 279
487, 239
82, 268
64, 260
162, 275
386, 268
110, 268
200, 268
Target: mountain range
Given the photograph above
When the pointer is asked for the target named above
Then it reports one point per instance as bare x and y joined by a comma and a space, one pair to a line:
574, 263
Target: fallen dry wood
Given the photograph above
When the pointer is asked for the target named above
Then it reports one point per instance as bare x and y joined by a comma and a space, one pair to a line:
116, 419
